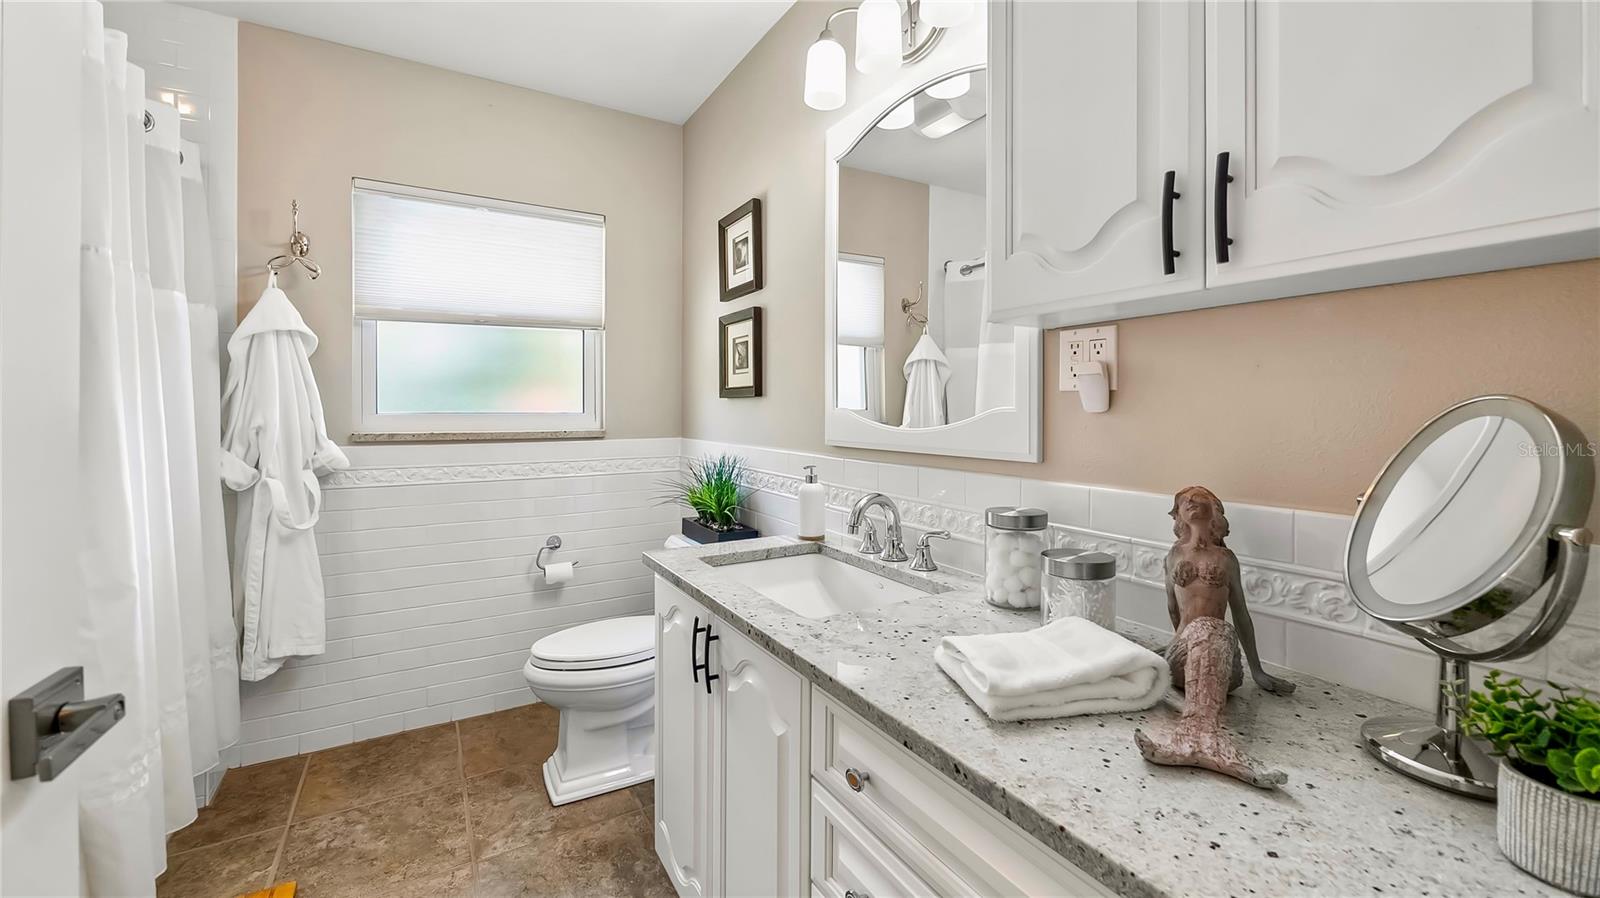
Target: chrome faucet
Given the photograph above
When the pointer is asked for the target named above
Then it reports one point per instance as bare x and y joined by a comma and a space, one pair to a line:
895, 551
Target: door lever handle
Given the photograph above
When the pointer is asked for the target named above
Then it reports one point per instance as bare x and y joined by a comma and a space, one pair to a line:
51, 724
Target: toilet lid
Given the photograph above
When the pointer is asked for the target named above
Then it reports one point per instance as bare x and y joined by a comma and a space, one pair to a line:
598, 644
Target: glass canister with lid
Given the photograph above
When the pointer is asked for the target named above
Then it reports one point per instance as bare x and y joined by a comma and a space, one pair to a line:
1012, 541
1079, 583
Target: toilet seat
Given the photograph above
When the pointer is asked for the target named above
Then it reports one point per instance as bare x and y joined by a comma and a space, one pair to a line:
597, 645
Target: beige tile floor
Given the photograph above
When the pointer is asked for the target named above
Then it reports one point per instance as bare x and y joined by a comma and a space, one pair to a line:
453, 811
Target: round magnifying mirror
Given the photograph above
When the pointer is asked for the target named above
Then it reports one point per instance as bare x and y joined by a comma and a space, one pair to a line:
1463, 527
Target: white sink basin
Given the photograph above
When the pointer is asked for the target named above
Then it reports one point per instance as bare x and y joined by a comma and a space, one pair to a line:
817, 586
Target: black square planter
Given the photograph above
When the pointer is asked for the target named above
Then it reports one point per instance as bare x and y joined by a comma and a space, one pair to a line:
700, 533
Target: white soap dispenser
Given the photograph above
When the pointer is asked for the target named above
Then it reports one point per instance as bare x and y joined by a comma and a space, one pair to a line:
813, 500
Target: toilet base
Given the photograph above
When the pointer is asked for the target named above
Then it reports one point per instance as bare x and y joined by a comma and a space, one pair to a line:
566, 791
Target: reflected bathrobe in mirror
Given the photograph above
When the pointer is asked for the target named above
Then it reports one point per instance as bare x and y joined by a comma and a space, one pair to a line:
274, 446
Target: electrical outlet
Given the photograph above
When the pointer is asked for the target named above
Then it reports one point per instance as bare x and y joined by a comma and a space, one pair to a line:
1088, 344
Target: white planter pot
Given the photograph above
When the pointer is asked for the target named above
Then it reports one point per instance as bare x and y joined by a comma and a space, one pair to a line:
1550, 833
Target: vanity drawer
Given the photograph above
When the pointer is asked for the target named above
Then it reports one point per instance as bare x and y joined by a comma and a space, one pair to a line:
847, 859
954, 843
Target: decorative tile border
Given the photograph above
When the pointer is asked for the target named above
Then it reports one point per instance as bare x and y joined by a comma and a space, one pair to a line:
401, 476
1277, 588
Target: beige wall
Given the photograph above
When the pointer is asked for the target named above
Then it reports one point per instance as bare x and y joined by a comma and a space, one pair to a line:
887, 217
1294, 402
313, 115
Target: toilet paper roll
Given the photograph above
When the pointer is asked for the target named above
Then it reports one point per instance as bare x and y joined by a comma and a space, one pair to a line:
558, 572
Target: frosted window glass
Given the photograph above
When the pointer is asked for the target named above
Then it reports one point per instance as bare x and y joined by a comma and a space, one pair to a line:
427, 368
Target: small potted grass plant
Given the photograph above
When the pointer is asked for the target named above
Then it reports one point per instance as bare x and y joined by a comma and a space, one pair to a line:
1548, 819
714, 489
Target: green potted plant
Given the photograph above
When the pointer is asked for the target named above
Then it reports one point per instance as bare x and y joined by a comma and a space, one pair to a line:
1548, 819
714, 489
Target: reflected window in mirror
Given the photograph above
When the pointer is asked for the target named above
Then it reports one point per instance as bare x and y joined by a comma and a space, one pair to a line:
860, 323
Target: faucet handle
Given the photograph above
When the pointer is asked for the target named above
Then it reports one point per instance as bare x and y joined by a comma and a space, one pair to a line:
922, 559
869, 539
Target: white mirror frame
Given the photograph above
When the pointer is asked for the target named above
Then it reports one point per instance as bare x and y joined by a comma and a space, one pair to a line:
1007, 433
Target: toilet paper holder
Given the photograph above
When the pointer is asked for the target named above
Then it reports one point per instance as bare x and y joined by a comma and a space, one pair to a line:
550, 545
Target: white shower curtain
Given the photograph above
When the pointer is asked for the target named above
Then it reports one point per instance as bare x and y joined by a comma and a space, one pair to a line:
160, 631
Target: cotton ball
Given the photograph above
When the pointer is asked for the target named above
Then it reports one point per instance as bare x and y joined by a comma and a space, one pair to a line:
994, 583
1022, 559
1029, 576
1017, 599
1013, 583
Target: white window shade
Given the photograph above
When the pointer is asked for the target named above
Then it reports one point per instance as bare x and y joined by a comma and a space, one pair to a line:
420, 255
860, 305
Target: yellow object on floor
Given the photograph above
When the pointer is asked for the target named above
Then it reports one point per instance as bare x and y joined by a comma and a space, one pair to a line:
281, 890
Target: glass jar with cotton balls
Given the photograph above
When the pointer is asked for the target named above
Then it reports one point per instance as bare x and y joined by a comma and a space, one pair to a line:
1012, 567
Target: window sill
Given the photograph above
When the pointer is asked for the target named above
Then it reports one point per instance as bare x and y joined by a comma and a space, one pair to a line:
471, 436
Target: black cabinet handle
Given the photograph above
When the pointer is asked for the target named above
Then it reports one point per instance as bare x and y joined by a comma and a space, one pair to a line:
707, 665
694, 639
1169, 193
1220, 225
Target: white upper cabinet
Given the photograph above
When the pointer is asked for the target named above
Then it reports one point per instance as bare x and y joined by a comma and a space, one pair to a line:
1093, 106
1389, 133
1364, 143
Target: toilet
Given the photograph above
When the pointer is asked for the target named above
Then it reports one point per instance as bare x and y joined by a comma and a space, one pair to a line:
601, 677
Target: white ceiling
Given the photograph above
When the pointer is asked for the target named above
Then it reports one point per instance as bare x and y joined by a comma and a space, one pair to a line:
657, 58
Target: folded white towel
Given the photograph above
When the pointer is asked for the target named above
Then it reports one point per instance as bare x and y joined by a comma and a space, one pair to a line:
1068, 667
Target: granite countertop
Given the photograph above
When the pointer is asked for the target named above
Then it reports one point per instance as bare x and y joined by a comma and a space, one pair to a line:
1343, 825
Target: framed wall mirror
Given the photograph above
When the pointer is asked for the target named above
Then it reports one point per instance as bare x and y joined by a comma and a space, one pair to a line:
913, 361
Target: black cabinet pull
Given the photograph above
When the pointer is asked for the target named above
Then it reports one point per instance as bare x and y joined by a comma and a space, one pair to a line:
695, 666
709, 675
1169, 193
1221, 208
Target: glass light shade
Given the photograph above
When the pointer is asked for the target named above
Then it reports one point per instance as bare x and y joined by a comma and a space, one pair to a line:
946, 13
950, 88
899, 117
877, 36
825, 74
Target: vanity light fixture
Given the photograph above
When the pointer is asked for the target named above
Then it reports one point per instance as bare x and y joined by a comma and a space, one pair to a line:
899, 117
950, 88
877, 36
947, 13
937, 118
889, 33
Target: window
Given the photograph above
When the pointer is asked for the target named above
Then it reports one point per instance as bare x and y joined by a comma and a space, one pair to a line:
859, 354
476, 314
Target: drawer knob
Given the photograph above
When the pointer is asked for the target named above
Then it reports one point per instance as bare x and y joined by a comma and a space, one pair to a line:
856, 779
852, 893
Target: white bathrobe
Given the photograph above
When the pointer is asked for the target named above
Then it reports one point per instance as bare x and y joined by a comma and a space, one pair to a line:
274, 446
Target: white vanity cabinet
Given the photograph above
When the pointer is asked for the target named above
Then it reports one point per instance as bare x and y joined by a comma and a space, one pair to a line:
766, 786
1336, 144
1399, 134
730, 757
1096, 137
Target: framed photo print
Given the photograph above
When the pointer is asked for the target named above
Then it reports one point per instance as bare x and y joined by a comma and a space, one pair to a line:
739, 335
740, 251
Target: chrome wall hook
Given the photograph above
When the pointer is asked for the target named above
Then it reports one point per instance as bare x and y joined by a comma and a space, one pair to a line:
299, 247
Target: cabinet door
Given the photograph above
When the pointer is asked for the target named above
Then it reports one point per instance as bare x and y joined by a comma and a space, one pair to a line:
761, 755
1386, 133
683, 745
1091, 105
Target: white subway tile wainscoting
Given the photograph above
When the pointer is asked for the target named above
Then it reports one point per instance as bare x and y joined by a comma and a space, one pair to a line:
433, 600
